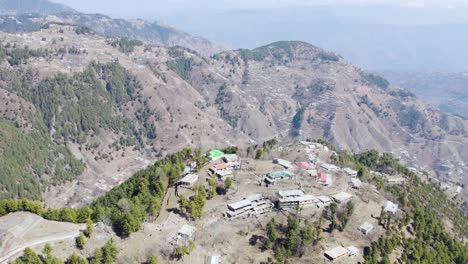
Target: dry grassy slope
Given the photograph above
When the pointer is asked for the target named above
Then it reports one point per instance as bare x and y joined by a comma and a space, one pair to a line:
263, 91
262, 97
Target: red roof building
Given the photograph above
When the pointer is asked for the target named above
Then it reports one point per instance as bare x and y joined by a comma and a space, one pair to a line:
322, 177
302, 165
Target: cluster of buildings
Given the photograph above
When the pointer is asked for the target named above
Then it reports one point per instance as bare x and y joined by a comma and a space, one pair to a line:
253, 205
224, 169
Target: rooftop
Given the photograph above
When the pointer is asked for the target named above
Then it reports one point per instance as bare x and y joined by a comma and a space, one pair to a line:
187, 230
215, 154
336, 252
189, 178
290, 193
342, 196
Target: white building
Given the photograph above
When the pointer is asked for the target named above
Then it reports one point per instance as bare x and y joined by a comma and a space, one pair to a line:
356, 183
395, 180
390, 207
286, 164
213, 259
297, 201
336, 253
185, 233
290, 193
353, 251
323, 201
329, 167
230, 158
350, 172
253, 205
366, 228
342, 197
188, 181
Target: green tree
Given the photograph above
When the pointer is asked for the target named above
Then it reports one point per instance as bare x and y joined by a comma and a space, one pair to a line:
80, 241
152, 260
227, 184
180, 252
75, 259
259, 154
183, 203
109, 252
89, 227
97, 256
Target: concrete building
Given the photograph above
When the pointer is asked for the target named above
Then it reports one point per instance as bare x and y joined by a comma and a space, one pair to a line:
353, 251
286, 164
290, 193
253, 205
342, 197
390, 207
279, 175
350, 172
185, 233
230, 158
356, 183
366, 228
297, 201
324, 179
213, 259
329, 167
336, 253
302, 165
188, 181
395, 180
323, 201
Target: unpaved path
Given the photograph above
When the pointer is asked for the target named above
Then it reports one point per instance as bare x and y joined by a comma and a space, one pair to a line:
4, 259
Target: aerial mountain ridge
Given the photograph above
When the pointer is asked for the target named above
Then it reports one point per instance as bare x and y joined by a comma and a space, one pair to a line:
288, 91
19, 7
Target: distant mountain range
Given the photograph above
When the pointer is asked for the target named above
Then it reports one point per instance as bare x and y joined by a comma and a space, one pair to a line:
31, 15
18, 7
447, 91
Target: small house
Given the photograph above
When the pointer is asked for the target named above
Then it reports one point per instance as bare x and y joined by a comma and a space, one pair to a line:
323, 201
324, 179
312, 173
286, 164
352, 251
302, 165
290, 193
329, 167
280, 175
336, 253
213, 259
366, 228
350, 172
215, 154
395, 180
390, 207
230, 158
188, 181
185, 234
342, 197
356, 183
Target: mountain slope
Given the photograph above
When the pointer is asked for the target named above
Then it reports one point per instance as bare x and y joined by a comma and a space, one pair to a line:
115, 107
32, 15
18, 7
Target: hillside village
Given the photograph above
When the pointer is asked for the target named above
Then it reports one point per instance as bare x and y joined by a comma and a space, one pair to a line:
300, 180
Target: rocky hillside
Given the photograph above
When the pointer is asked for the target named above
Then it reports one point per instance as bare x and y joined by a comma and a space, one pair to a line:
110, 106
17, 7
32, 15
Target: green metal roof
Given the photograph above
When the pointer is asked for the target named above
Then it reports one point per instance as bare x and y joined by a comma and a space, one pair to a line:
214, 153
279, 174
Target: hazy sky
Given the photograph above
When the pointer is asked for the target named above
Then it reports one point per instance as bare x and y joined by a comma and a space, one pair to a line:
138, 7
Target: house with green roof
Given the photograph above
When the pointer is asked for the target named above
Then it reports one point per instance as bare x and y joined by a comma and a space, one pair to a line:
215, 154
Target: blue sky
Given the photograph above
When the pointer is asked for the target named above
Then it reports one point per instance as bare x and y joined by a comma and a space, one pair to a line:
142, 7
